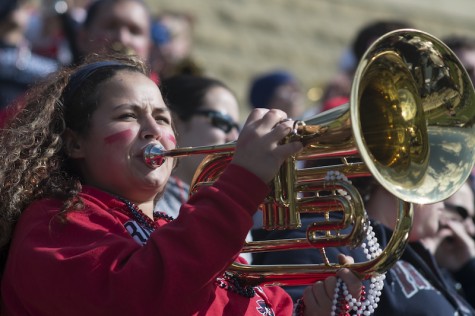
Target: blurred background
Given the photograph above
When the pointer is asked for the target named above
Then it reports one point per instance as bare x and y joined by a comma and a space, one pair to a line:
236, 39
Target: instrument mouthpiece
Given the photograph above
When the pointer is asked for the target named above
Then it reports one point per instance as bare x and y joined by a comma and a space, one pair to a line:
154, 155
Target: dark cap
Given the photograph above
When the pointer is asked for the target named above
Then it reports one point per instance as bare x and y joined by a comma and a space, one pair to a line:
263, 87
7, 6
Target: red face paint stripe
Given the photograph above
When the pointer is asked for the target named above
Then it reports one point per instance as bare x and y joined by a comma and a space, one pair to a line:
118, 136
172, 139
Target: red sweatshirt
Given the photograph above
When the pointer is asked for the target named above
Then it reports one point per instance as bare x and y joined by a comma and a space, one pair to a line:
90, 265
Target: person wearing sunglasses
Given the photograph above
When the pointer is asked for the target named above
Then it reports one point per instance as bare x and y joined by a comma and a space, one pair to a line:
206, 113
454, 245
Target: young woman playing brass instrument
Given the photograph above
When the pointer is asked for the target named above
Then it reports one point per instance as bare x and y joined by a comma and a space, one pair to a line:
77, 200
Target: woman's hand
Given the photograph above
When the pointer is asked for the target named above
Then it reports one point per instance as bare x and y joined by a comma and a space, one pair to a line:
318, 298
457, 248
259, 147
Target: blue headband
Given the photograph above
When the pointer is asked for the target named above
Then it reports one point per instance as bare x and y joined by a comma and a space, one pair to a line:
82, 74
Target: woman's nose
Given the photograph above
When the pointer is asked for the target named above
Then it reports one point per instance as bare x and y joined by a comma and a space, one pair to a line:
124, 36
470, 226
150, 129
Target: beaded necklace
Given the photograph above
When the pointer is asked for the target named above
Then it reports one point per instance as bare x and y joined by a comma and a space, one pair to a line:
228, 281
231, 282
143, 219
343, 301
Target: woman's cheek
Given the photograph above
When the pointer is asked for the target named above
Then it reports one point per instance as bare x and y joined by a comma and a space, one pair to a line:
170, 139
121, 136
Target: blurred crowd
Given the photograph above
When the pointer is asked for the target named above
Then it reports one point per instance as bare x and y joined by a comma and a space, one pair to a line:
39, 38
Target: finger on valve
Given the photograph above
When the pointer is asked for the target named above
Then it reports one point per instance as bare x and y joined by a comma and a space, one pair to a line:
353, 282
318, 299
259, 147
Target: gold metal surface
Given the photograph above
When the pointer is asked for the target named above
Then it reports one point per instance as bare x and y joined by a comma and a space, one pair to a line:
434, 87
409, 124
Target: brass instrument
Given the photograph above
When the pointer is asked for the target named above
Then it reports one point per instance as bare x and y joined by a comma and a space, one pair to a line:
409, 124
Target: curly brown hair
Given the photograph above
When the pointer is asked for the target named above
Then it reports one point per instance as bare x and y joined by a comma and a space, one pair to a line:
34, 161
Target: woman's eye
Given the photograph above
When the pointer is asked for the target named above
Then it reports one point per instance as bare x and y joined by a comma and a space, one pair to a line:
128, 116
162, 119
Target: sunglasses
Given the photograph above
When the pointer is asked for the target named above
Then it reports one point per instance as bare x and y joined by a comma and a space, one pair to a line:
219, 120
460, 210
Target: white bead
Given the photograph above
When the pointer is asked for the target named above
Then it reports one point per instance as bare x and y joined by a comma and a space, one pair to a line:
372, 249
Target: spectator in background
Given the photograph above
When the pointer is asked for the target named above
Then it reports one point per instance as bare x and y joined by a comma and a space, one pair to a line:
110, 26
454, 246
19, 66
205, 113
172, 38
277, 89
53, 28
116, 26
